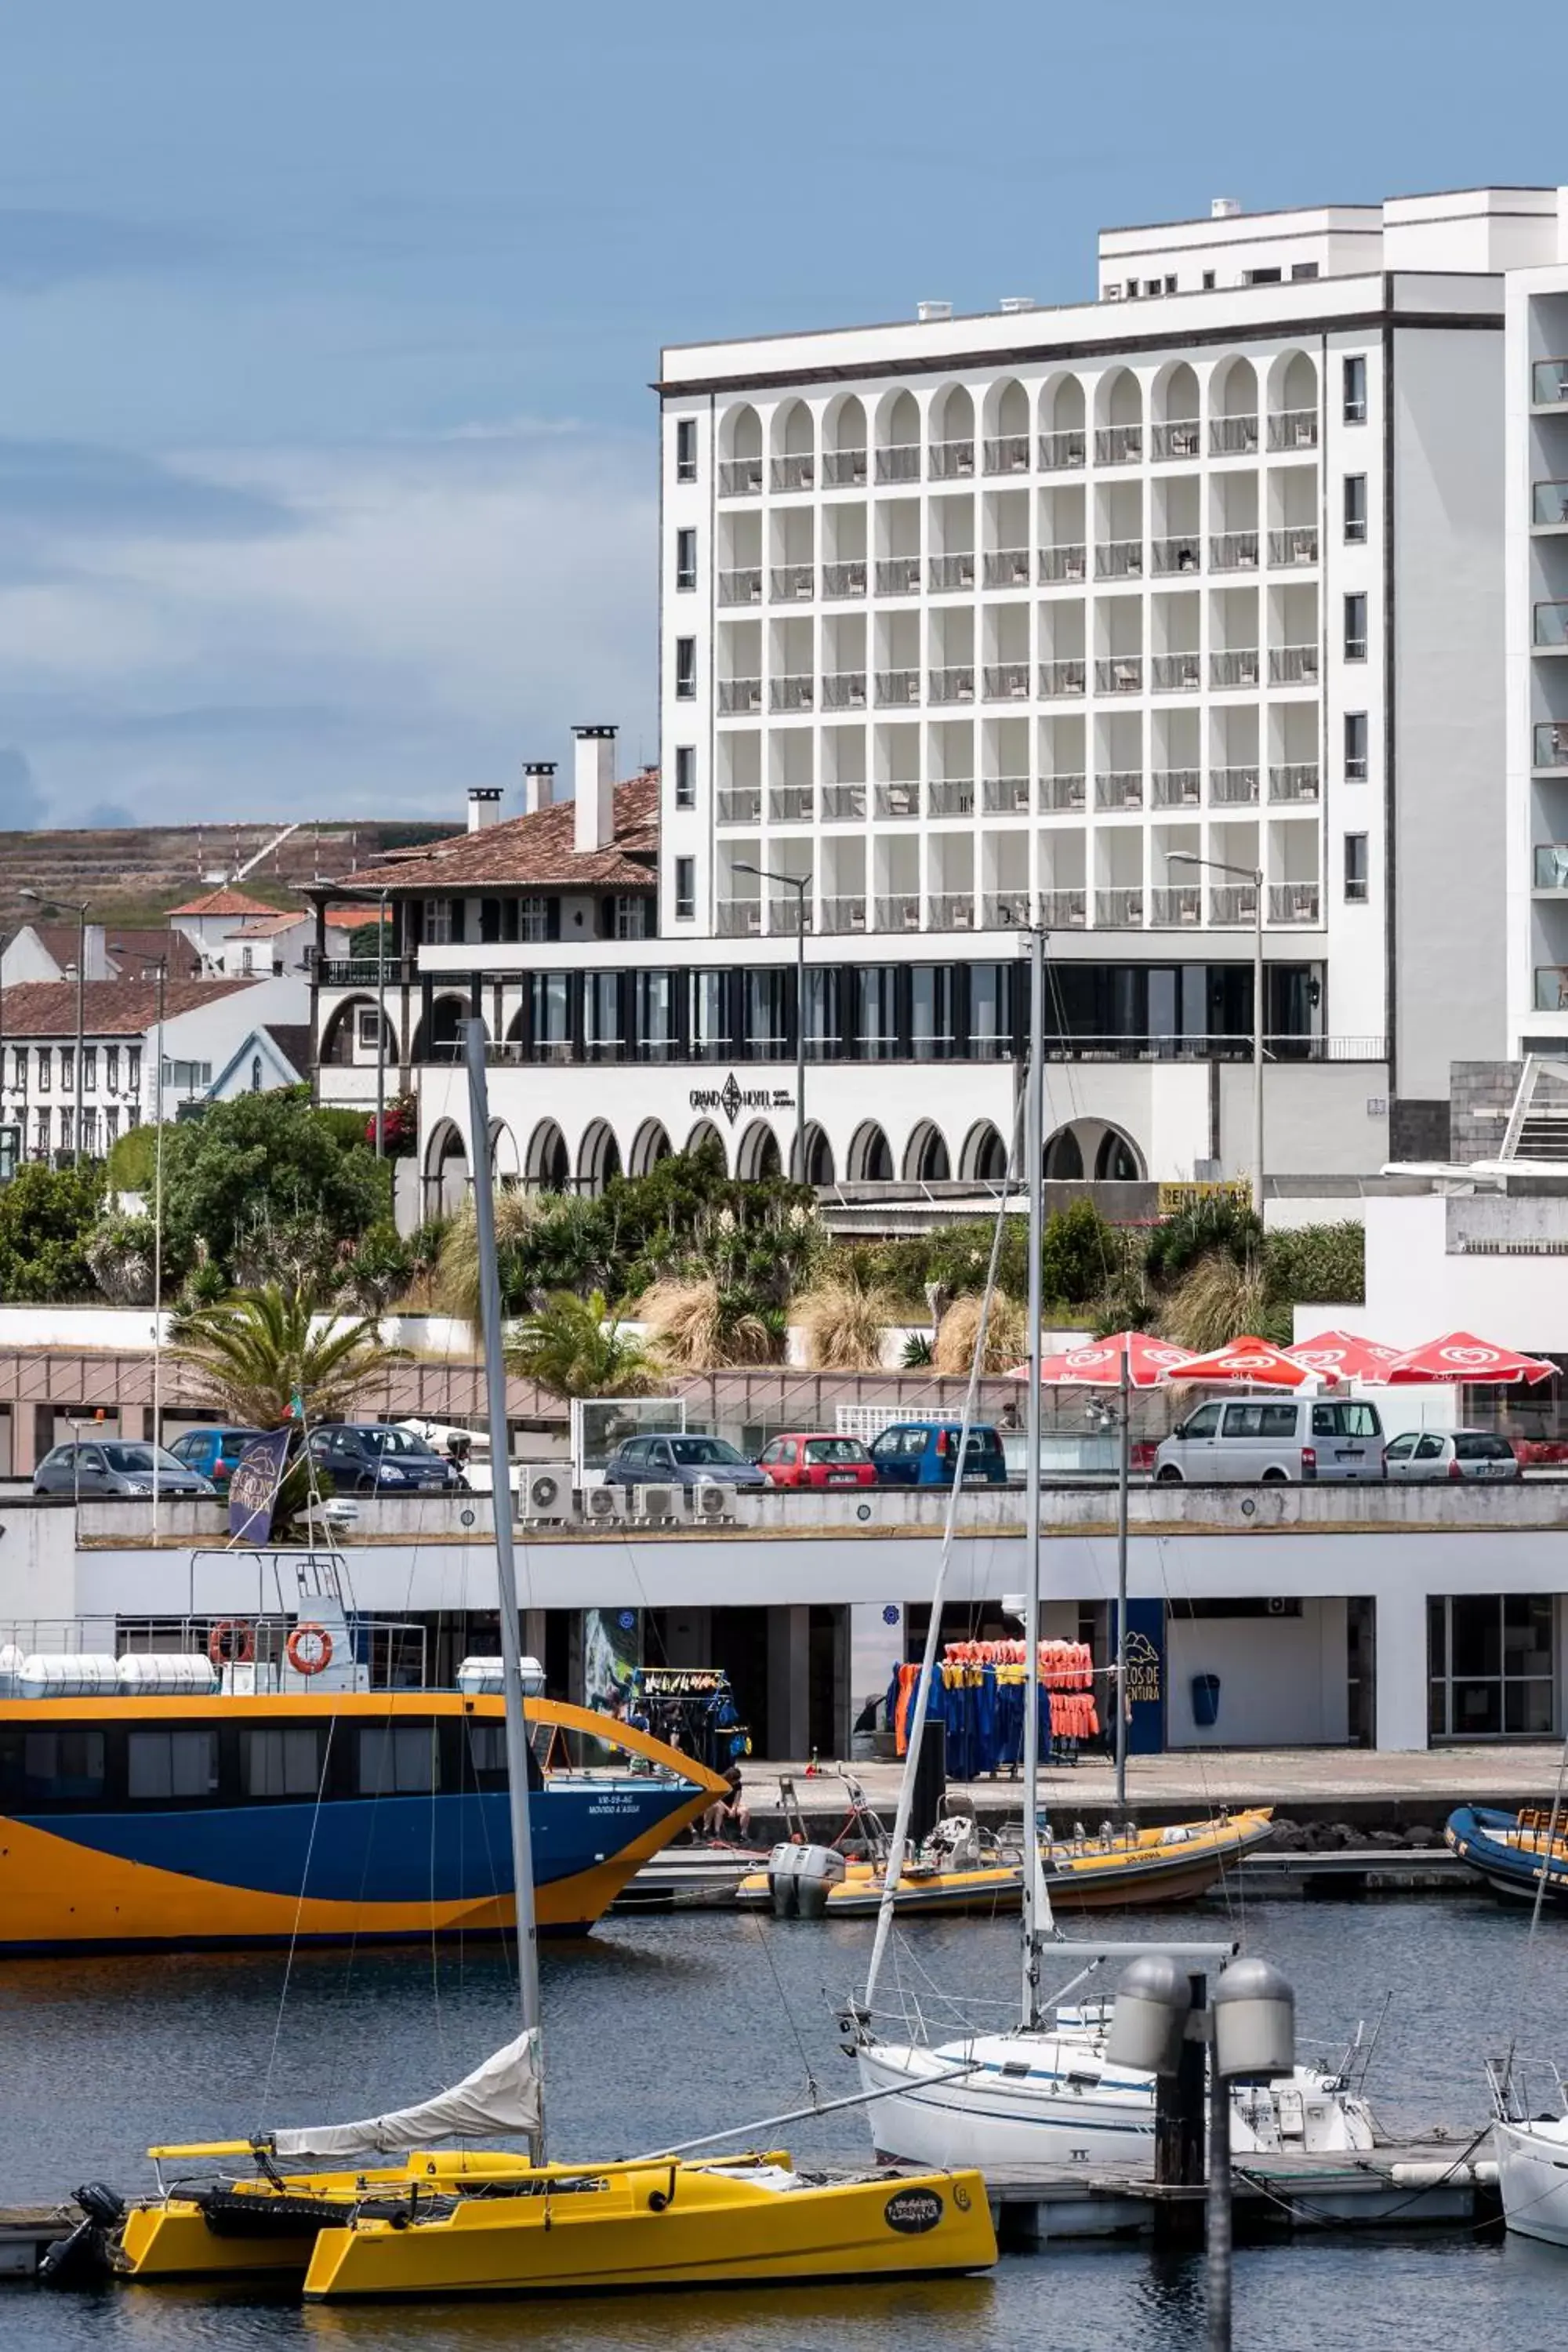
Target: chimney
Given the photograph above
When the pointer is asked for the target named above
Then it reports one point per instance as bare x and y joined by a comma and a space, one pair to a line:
484, 807
595, 788
1223, 209
538, 785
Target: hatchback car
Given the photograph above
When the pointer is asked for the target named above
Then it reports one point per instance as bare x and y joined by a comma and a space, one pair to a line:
213, 1451
811, 1460
673, 1459
117, 1466
1274, 1440
1452, 1454
925, 1453
375, 1457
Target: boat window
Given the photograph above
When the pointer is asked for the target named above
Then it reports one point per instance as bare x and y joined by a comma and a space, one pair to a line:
281, 1762
161, 1764
398, 1759
41, 1768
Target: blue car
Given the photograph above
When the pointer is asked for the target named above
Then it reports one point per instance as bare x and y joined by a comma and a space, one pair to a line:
924, 1453
214, 1453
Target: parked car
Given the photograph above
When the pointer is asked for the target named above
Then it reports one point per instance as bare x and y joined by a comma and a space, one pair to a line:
1451, 1454
676, 1460
1275, 1440
814, 1459
924, 1453
375, 1457
116, 1466
213, 1451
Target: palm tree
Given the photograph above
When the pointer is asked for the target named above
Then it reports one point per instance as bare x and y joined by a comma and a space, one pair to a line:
257, 1360
575, 1347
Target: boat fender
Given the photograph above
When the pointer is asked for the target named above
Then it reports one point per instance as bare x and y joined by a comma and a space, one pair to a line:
310, 1648
231, 1643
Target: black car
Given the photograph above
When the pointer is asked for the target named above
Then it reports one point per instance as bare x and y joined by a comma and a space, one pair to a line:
377, 1457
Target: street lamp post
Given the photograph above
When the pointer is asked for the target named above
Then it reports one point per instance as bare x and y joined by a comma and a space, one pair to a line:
78, 908
1252, 874
159, 965
800, 884
381, 1023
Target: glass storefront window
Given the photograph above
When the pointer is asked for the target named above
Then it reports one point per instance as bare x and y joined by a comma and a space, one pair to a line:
876, 1013
990, 1011
550, 1014
602, 1016
1490, 1666
653, 1015
824, 1025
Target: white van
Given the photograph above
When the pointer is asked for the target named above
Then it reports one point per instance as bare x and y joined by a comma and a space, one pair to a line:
1277, 1440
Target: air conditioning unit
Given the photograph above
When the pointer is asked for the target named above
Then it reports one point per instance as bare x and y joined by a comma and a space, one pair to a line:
602, 1501
654, 1502
712, 1501
546, 1495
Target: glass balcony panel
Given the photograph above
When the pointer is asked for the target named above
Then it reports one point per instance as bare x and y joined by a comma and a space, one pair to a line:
790, 805
1117, 445
1060, 452
952, 570
1183, 437
844, 804
951, 911
1233, 436
793, 581
844, 689
1007, 681
1293, 428
1119, 909
1551, 988
953, 684
1295, 780
1119, 674
840, 580
1063, 791
1183, 905
1234, 551
1059, 678
1236, 903
1293, 665
1552, 627
796, 693
1066, 561
738, 694
1293, 902
1552, 743
1233, 787
1549, 382
1551, 864
952, 460
739, 477
1001, 910
739, 918
1184, 554
1009, 455
898, 686
1239, 666
739, 805
742, 587
1008, 567
1296, 544
898, 575
1064, 910
1005, 797
1177, 787
899, 463
900, 912
1118, 559
1549, 505
792, 472
1178, 673
1119, 788
844, 914
898, 798
950, 796
844, 469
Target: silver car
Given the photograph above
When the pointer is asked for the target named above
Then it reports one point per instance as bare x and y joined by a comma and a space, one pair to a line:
1451, 1454
1275, 1441
116, 1466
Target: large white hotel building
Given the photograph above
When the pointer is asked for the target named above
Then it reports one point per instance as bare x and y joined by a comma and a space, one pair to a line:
1249, 565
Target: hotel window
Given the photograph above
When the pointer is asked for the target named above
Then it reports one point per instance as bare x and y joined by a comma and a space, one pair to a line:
41, 1133
133, 1068
653, 1015
1304, 270
823, 1026
931, 1028
602, 1016
1208, 281
19, 1069
766, 1003
685, 669
631, 918
89, 1069
876, 1000
46, 1068
1356, 747
68, 1068
1355, 388
68, 1129
132, 1117
111, 1068
438, 922
686, 449
111, 1126
549, 1015
685, 559
990, 1011
709, 1003
684, 889
1355, 509
1355, 869
1355, 627
89, 1130
686, 775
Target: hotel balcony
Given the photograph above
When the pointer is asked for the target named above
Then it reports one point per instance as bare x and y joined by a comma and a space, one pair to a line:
1060, 677
1181, 904
840, 580
739, 805
1119, 788
1549, 505
1293, 902
790, 805
1233, 436
1240, 666
1293, 428
900, 798
738, 919
898, 575
952, 910
1549, 383
1060, 452
1185, 555
744, 587
844, 914
1293, 665
949, 572
1552, 743
739, 477
844, 689
1062, 792
844, 804
1117, 445
1232, 550
844, 469
1177, 787
1233, 787
1551, 988
901, 912
955, 683
360, 971
1551, 630
1296, 543
1000, 911
1235, 903
1550, 867
950, 796
789, 912
1005, 795
1118, 559
1296, 781
1119, 909
1067, 562
952, 461
1005, 681
739, 696
793, 582
796, 693
792, 472
897, 686
1178, 673
1182, 437
900, 463
1010, 454
1008, 567
1064, 910
1119, 674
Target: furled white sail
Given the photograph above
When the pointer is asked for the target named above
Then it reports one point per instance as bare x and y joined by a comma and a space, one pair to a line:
500, 2096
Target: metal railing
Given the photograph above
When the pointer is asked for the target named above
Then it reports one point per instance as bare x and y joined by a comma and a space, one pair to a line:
844, 689
793, 472
956, 570
1061, 451
1294, 779
1551, 858
954, 682
896, 686
1231, 903
1008, 567
900, 912
899, 797
1064, 910
1293, 428
1066, 561
1232, 550
844, 469
1177, 787
1293, 902
739, 477
739, 694
1059, 678
1120, 908
794, 691
738, 919
950, 796
1549, 504
791, 804
1119, 674
1296, 543
951, 911
364, 972
951, 460
844, 804
1179, 437
1552, 743
899, 462
1551, 988
1007, 681
1119, 788
1118, 559
1552, 626
1233, 787
1233, 436
844, 579
740, 804
1178, 673
744, 587
1183, 904
1067, 790
1008, 454
1000, 911
794, 581
1182, 553
1549, 382
1237, 665
1117, 445
898, 575
788, 911
1005, 795
1293, 665
844, 913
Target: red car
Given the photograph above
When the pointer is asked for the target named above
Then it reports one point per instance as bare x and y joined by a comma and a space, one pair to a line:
816, 1460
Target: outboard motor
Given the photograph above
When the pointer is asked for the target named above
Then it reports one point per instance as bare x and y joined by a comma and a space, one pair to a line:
85, 2256
799, 1878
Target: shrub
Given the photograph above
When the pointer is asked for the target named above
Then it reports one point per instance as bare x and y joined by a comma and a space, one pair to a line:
1006, 1335
1080, 1253
700, 1326
1318, 1265
845, 1323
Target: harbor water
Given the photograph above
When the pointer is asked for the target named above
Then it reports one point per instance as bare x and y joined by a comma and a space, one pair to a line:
662, 2029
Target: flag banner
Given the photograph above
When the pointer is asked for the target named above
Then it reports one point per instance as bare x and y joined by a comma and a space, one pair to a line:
253, 1487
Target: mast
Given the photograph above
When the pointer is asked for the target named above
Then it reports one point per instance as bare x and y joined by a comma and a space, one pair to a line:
506, 1566
1034, 1141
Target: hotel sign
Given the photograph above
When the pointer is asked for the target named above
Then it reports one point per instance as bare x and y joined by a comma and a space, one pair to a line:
732, 1098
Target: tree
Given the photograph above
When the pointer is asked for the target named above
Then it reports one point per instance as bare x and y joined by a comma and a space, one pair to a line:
575, 1347
47, 1220
256, 1353
262, 1162
1080, 1253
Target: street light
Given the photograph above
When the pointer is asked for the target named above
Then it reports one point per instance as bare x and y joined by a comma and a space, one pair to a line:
1252, 874
381, 1023
78, 908
160, 965
800, 884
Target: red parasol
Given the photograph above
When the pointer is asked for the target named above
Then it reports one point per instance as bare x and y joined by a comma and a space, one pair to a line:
1257, 1361
1342, 1354
1460, 1356
1098, 1363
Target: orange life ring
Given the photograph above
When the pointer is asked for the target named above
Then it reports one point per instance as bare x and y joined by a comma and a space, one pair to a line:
310, 1649
231, 1643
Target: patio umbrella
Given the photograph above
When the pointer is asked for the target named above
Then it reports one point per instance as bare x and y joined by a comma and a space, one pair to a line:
1345, 1355
1257, 1362
1098, 1363
1460, 1356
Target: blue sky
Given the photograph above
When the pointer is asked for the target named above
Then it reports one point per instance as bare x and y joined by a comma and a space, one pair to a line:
327, 470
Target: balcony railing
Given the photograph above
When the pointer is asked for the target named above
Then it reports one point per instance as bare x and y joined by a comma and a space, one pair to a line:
795, 581
1007, 681
1296, 543
1293, 902
898, 575
1009, 455
1119, 909
1295, 780
791, 804
1001, 909
950, 796
1551, 864
792, 692
1293, 665
1064, 910
739, 805
1179, 554
844, 579
1552, 627
899, 463
1118, 559
1182, 436
1005, 797
788, 911
1549, 382
1234, 551
1119, 788
844, 804
898, 912
1119, 674
1233, 787
898, 686
742, 587
791, 472
1008, 567
899, 797
360, 971
844, 469
739, 477
1061, 451
1177, 787
1551, 988
844, 689
951, 911
1181, 905
1059, 678
1065, 791
1552, 743
1233, 903
1238, 665
953, 683
737, 695
1233, 436
1117, 445
738, 919
1177, 673
844, 913
1293, 428
956, 570
952, 460
1066, 561
1549, 505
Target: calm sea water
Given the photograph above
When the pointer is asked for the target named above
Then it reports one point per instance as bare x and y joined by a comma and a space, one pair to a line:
659, 2030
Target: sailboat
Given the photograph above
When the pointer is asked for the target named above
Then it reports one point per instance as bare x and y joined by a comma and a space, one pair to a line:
1043, 2096
1531, 2149
429, 2225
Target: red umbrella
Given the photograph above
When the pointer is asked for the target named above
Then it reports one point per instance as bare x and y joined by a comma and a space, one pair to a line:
1259, 1361
1460, 1356
1344, 1355
1098, 1363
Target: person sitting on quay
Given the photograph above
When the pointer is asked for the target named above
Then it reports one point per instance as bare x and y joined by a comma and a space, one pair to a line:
728, 1816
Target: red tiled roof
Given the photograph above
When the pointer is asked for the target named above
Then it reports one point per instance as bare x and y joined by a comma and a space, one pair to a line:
535, 852
224, 902
267, 926
111, 1008
351, 919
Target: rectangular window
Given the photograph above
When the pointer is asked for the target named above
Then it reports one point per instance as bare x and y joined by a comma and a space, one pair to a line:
1304, 270
111, 1068
602, 1016
653, 1015
285, 1762
824, 1027
549, 1015
19, 1069
684, 889
1356, 747
68, 1129
766, 1003
398, 1759
1208, 281
169, 1764
89, 1069
1356, 869
932, 1037
1171, 283
686, 449
685, 559
875, 989
46, 1068
686, 775
133, 1068
68, 1068
1355, 627
370, 1027
990, 1011
1261, 276
438, 922
685, 669
111, 1126
631, 918
709, 1016
41, 1133
89, 1130
50, 1767
1353, 382
533, 919
1355, 509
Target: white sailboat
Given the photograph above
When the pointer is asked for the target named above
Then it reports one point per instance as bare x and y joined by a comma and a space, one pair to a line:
1533, 2149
